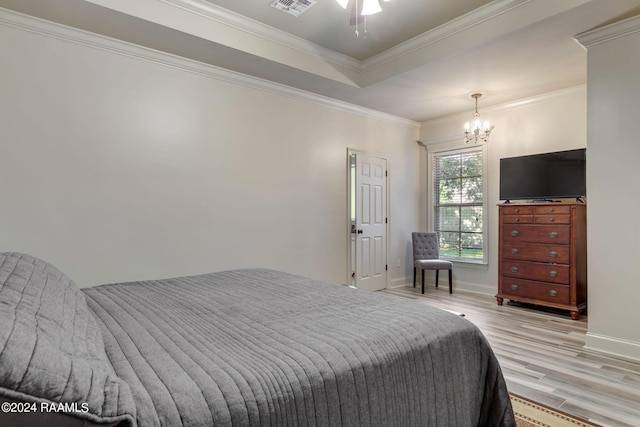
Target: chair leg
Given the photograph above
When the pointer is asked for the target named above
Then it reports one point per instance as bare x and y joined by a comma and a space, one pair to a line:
450, 281
423, 281
437, 271
414, 277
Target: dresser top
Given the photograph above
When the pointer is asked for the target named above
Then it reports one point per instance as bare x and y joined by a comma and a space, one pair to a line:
541, 204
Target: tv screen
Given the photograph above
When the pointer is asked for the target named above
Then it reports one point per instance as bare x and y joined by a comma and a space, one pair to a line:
544, 176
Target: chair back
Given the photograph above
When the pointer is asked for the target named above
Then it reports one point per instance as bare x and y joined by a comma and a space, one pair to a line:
425, 245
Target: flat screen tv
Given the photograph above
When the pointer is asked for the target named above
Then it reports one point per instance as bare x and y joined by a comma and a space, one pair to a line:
544, 176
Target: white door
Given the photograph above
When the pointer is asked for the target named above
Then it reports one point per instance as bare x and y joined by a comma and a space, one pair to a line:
369, 229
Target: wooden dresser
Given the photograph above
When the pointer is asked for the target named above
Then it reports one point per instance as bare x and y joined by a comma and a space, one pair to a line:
543, 255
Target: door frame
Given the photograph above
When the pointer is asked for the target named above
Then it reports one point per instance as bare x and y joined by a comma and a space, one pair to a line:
351, 268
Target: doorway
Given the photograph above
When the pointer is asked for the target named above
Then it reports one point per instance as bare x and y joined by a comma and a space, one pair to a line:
368, 220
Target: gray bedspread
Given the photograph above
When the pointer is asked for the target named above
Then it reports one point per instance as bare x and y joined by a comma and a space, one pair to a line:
263, 348
52, 356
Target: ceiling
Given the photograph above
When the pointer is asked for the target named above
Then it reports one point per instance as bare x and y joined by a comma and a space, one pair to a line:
328, 25
420, 60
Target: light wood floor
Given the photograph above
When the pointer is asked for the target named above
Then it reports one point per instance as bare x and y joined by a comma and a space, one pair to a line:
542, 357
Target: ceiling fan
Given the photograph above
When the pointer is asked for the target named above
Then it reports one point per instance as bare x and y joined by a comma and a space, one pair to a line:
360, 9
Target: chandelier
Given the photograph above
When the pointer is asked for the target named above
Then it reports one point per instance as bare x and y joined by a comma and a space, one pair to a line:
360, 10
477, 130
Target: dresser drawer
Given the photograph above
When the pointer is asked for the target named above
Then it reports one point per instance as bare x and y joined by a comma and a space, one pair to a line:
552, 209
517, 219
555, 273
553, 219
531, 289
536, 252
516, 210
559, 234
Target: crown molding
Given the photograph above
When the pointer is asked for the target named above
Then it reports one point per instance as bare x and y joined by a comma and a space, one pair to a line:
536, 99
509, 105
609, 32
90, 40
447, 30
316, 59
240, 22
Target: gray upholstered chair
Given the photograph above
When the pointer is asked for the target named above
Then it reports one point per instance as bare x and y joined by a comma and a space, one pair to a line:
426, 256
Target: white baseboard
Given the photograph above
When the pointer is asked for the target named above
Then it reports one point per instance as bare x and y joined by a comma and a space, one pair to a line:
457, 284
476, 287
614, 346
401, 281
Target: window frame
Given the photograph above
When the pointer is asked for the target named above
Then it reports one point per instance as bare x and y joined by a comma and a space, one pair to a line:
452, 148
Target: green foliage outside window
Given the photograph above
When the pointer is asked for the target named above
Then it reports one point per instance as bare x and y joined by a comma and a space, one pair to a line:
458, 204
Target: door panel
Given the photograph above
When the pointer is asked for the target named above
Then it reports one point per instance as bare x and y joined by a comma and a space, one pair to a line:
377, 203
378, 257
365, 204
365, 258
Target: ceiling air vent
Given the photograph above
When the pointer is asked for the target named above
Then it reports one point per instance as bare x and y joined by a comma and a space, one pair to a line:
293, 7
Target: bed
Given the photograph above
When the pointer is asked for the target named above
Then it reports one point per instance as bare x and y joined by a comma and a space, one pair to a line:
253, 347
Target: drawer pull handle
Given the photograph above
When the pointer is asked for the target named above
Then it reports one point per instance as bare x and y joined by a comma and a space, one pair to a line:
517, 210
514, 233
517, 219
551, 209
514, 287
514, 251
553, 293
553, 254
552, 219
553, 234
514, 269
553, 273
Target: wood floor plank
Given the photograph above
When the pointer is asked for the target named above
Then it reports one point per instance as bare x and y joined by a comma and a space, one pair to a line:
543, 358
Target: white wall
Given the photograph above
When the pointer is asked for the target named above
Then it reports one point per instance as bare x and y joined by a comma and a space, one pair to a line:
614, 151
550, 122
116, 168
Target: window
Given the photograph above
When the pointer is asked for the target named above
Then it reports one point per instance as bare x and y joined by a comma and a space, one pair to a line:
458, 203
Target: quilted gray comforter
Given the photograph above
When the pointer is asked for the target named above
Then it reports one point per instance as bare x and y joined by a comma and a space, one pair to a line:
264, 348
